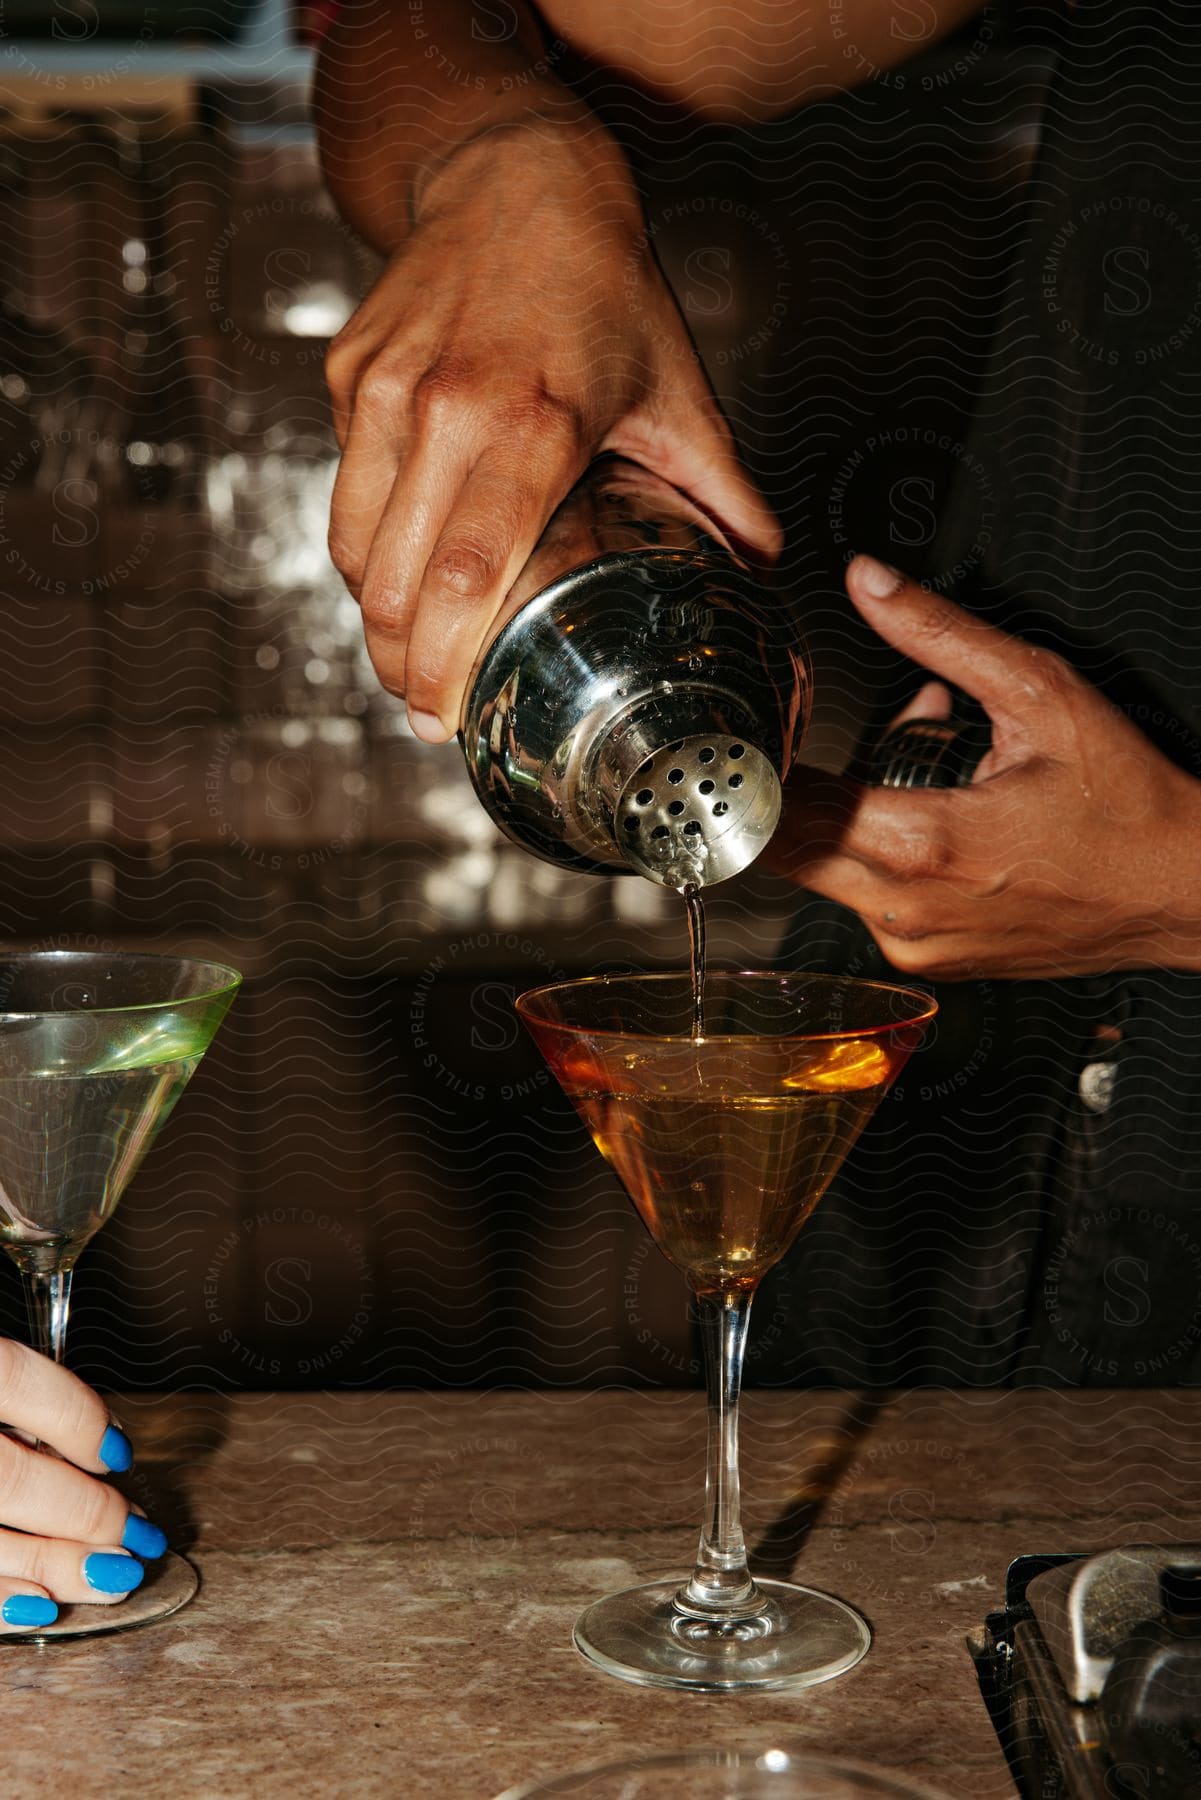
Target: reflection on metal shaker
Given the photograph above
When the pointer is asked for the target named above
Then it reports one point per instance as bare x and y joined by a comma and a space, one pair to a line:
643, 698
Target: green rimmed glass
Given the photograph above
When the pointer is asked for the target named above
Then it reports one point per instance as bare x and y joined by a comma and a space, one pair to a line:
95, 1050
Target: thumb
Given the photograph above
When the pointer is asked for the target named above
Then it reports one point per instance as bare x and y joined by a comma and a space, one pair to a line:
999, 671
689, 443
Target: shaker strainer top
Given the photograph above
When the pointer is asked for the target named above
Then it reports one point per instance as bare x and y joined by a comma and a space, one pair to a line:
698, 811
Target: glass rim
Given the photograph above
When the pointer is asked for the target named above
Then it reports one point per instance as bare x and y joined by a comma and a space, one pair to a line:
228, 981
802, 1758
926, 1006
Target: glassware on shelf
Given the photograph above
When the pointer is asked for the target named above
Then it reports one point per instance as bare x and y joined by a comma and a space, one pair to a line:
43, 378
157, 427
725, 1141
95, 1050
44, 387
48, 412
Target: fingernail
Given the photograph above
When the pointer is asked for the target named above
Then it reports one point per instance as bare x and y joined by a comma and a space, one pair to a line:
877, 578
110, 1574
143, 1538
28, 1609
116, 1451
428, 727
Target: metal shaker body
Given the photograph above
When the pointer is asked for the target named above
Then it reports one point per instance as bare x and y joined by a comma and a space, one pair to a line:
640, 705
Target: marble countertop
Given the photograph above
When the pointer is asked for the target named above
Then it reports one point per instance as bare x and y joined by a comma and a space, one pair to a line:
389, 1580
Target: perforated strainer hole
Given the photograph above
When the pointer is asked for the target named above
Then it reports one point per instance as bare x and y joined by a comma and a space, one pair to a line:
699, 808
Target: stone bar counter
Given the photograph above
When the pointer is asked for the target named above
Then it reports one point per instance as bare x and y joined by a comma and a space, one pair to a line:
389, 1581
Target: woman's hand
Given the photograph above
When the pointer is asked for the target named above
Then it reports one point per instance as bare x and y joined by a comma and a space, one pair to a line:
64, 1535
522, 326
1075, 851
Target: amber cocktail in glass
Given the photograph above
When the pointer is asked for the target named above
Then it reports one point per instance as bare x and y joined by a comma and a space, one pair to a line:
725, 1142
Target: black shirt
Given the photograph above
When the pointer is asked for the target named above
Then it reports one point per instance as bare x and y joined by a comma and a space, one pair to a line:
1028, 1205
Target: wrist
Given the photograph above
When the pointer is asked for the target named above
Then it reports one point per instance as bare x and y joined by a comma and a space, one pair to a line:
548, 151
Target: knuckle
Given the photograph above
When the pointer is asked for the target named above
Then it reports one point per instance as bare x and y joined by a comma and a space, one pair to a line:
346, 555
923, 849
463, 568
1049, 678
386, 619
543, 412
443, 386
44, 1565
432, 670
919, 856
92, 1512
933, 856
379, 390
13, 1478
80, 1415
12, 1367
341, 362
935, 620
339, 543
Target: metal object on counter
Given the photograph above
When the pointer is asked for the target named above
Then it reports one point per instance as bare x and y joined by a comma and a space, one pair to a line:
1092, 1673
644, 698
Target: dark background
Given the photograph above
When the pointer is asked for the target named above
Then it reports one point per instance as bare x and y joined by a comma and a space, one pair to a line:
372, 1180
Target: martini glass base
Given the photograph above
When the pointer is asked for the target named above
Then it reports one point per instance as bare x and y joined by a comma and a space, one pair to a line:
798, 1638
169, 1584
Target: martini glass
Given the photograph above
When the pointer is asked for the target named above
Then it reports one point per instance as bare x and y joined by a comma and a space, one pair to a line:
95, 1049
725, 1142
775, 1773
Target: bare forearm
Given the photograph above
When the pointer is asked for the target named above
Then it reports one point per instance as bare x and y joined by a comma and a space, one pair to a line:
401, 88
745, 60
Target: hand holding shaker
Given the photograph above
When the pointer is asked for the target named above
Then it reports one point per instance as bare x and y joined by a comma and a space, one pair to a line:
644, 698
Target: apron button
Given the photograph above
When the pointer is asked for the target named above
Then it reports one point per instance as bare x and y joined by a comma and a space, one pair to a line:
1097, 1084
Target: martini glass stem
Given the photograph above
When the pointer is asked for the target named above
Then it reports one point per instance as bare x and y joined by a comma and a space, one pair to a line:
48, 1296
721, 1585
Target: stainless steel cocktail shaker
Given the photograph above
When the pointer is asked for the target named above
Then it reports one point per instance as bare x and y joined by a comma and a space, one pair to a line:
643, 698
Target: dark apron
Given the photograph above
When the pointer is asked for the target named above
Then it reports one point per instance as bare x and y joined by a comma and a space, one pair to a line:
1027, 1207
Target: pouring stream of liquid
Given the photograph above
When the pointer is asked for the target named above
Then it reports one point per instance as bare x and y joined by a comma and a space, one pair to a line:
694, 906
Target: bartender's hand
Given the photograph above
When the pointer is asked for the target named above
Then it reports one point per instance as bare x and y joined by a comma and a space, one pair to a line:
521, 327
1075, 851
65, 1535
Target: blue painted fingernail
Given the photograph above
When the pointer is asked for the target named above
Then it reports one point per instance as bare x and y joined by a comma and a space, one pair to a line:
116, 1451
28, 1609
112, 1574
143, 1538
